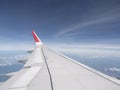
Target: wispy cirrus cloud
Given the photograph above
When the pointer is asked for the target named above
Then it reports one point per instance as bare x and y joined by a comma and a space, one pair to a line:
105, 18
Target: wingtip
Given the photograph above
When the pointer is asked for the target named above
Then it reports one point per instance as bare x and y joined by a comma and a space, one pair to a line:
36, 38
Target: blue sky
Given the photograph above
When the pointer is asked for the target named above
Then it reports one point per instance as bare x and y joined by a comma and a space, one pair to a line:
88, 29
76, 22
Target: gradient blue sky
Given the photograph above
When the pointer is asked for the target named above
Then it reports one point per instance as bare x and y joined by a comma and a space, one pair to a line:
78, 22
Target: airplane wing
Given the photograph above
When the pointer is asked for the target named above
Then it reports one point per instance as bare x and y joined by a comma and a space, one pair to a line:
49, 70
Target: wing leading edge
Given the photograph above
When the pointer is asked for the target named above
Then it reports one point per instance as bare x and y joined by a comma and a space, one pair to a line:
49, 70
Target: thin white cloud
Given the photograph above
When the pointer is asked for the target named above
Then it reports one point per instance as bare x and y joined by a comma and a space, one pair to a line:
112, 69
16, 46
94, 51
112, 15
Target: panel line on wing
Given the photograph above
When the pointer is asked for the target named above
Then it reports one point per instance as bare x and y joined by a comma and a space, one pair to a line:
51, 81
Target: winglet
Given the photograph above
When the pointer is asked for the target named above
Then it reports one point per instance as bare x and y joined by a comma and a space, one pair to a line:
36, 38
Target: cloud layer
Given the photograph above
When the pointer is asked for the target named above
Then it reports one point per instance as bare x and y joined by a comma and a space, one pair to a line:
11, 60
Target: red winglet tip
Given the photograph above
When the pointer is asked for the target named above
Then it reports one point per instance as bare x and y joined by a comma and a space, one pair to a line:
36, 38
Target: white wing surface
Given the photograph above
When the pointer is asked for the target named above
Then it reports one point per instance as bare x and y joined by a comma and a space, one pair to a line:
49, 70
